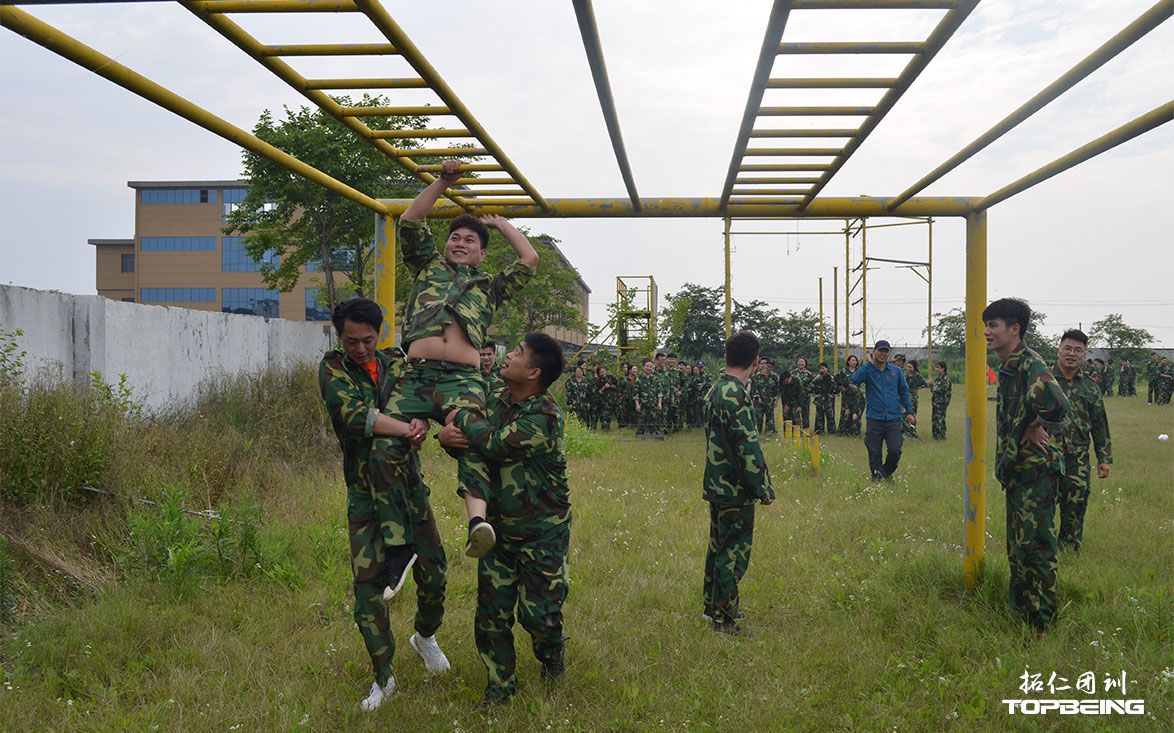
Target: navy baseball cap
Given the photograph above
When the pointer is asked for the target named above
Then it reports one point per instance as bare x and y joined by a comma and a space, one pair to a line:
882, 344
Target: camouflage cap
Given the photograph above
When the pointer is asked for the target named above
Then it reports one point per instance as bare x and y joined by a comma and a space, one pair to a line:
898, 357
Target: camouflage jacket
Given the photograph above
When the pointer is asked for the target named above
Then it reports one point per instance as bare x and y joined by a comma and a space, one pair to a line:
735, 471
1151, 370
577, 393
941, 392
524, 442
604, 391
853, 397
1085, 419
1027, 391
764, 388
916, 382
442, 292
791, 394
648, 389
353, 403
804, 378
824, 385
668, 385
493, 381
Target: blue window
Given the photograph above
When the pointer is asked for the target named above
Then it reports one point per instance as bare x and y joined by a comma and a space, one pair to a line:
128, 263
234, 195
177, 244
177, 295
314, 310
313, 266
178, 196
234, 257
254, 301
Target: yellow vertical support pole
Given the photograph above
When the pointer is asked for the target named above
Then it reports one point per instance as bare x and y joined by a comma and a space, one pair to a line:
864, 289
974, 431
729, 300
815, 453
929, 303
847, 290
385, 276
835, 319
821, 336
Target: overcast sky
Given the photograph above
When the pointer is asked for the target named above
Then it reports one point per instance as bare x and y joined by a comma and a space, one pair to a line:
1092, 241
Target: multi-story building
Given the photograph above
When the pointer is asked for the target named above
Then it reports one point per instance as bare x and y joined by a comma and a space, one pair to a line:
180, 256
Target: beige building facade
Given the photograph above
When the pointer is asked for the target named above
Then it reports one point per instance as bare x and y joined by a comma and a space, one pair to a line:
179, 256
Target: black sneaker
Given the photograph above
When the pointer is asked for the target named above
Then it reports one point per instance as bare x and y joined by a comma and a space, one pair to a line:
727, 627
400, 560
554, 668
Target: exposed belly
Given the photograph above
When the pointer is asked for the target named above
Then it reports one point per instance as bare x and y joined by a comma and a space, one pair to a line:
453, 346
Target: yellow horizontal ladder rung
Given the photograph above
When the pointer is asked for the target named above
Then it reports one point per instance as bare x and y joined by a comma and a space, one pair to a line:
830, 83
873, 4
401, 134
408, 83
803, 133
276, 6
451, 152
475, 192
769, 192
814, 111
734, 199
852, 47
524, 200
792, 151
805, 167
329, 49
392, 111
798, 179
472, 167
486, 182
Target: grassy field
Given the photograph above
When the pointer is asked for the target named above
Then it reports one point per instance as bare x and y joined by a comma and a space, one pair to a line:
855, 610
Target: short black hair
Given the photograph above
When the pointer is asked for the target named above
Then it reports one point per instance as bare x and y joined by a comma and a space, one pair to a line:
672, 355
489, 345
647, 360
357, 310
1012, 311
467, 221
546, 356
1076, 335
742, 349
659, 354
823, 363
786, 374
945, 367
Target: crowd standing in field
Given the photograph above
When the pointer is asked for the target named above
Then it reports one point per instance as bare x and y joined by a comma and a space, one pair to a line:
506, 430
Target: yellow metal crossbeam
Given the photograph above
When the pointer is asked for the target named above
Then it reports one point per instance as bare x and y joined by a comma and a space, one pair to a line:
830, 83
852, 47
421, 134
277, 6
366, 84
804, 132
327, 49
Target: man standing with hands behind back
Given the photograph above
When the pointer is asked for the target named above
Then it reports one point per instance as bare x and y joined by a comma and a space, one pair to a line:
886, 392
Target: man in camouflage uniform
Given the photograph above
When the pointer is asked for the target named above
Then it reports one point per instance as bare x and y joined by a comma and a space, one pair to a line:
578, 392
449, 311
791, 394
649, 402
675, 397
940, 392
803, 377
356, 382
1085, 419
915, 381
1128, 379
1109, 379
522, 436
489, 375
1031, 408
736, 478
685, 373
851, 400
1151, 378
763, 394
1165, 377
823, 386
603, 396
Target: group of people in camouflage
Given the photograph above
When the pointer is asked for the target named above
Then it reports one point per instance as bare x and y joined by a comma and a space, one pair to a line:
658, 397
502, 426
1160, 373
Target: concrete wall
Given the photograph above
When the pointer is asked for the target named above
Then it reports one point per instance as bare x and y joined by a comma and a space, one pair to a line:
166, 352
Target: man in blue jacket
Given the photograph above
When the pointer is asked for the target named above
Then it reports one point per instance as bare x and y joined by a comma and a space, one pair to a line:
885, 392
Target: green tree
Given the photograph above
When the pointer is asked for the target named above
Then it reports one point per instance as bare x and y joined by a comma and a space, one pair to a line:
551, 299
692, 322
949, 331
799, 335
1113, 333
763, 321
288, 222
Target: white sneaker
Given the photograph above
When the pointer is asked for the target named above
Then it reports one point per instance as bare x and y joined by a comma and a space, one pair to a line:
377, 695
429, 651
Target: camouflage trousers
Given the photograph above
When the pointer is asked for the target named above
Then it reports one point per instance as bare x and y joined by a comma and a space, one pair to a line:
531, 575
367, 566
792, 412
1031, 549
803, 414
764, 417
430, 389
825, 414
910, 430
938, 420
850, 423
649, 421
672, 417
1073, 499
731, 533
